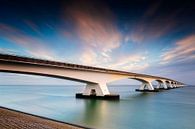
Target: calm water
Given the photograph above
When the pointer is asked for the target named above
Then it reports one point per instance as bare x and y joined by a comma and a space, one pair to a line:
172, 109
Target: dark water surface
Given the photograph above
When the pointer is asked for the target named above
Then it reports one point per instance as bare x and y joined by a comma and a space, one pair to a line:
171, 109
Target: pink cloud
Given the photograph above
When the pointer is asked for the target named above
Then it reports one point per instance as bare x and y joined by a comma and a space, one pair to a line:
99, 36
184, 50
96, 29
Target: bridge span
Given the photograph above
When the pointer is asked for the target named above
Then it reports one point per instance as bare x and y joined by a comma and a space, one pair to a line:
96, 79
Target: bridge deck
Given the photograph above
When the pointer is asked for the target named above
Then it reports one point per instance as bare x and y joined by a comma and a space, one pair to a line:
20, 59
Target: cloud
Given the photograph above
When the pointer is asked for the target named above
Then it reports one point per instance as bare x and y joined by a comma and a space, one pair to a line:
178, 61
132, 62
8, 51
184, 50
99, 37
136, 67
130, 58
32, 45
33, 27
96, 29
89, 57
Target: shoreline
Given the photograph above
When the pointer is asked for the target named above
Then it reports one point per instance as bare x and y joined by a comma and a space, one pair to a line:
11, 118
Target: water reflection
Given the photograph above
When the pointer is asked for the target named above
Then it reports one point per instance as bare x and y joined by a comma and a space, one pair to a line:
97, 112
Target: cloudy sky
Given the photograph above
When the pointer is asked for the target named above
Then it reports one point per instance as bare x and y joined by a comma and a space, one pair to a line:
153, 37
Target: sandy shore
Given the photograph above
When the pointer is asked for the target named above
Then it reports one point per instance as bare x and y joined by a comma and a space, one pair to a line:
11, 119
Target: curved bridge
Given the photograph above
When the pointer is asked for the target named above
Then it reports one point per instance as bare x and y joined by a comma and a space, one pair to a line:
95, 78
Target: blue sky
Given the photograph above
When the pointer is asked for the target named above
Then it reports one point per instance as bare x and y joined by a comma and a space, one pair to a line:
152, 37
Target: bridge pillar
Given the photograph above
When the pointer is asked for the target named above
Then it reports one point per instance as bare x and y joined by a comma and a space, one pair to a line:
174, 85
161, 85
147, 87
169, 85
97, 91
165, 85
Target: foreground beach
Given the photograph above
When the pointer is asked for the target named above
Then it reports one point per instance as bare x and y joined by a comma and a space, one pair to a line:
11, 119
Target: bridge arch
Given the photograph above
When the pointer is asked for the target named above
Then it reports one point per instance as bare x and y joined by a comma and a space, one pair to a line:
146, 83
157, 84
163, 84
173, 84
168, 83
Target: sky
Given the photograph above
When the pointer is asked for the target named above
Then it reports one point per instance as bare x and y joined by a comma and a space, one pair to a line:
155, 37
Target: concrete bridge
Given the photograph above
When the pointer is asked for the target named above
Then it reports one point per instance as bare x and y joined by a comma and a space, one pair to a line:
96, 79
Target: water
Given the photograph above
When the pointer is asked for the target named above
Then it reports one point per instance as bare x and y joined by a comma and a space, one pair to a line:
171, 109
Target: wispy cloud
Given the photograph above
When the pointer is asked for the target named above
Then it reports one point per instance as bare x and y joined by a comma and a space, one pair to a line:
33, 27
184, 50
96, 30
131, 62
32, 45
99, 36
8, 51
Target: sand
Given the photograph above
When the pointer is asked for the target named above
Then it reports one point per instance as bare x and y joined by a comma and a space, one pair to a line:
11, 119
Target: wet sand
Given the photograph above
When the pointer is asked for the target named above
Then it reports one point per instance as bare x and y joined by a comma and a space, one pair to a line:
11, 119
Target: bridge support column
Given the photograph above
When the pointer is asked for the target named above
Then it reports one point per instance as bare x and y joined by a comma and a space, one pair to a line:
165, 85
174, 85
160, 85
97, 91
169, 85
147, 87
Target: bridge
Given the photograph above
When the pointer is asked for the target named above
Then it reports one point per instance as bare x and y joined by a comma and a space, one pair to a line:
96, 79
